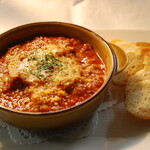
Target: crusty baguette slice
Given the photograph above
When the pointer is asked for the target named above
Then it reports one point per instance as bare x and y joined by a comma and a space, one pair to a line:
135, 61
137, 94
126, 46
137, 100
143, 44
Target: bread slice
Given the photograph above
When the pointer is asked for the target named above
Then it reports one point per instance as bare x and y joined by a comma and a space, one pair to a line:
135, 61
137, 100
136, 78
126, 46
137, 93
143, 44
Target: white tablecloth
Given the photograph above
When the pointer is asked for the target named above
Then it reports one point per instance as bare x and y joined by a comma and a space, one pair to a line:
101, 14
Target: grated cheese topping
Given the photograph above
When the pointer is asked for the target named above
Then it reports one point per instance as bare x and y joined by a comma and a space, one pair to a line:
49, 74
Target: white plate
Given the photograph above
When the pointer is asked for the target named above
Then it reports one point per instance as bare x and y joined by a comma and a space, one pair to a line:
117, 130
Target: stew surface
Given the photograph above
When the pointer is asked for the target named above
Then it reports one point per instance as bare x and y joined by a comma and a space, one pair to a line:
49, 74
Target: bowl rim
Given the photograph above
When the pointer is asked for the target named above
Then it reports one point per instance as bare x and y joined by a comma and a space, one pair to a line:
114, 66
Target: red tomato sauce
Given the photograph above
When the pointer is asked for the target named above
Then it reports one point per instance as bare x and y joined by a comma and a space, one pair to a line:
49, 74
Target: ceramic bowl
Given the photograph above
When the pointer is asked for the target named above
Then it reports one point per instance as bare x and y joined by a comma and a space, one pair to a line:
114, 59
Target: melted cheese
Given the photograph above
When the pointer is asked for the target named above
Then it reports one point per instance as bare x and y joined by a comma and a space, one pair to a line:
51, 72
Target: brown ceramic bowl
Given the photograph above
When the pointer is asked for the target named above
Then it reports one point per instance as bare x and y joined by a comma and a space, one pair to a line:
76, 113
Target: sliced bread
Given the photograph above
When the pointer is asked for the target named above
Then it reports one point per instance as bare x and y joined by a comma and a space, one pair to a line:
135, 61
137, 93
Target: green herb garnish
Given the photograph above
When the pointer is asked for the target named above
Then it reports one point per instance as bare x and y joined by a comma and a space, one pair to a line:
32, 58
47, 64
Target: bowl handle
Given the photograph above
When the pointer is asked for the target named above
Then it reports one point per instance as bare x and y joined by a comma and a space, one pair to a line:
121, 56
